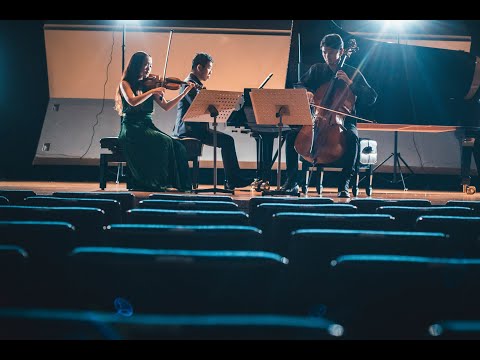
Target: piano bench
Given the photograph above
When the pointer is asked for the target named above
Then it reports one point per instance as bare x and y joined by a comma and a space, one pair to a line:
115, 156
193, 146
367, 157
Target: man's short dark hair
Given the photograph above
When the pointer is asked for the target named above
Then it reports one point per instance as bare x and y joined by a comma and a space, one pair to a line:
201, 59
333, 41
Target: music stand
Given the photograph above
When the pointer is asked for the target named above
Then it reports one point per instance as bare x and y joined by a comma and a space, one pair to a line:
290, 107
216, 104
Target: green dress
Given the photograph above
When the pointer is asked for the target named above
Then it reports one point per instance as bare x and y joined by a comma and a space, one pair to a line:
156, 160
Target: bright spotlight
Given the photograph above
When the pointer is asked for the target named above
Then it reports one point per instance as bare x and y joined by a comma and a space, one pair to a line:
128, 22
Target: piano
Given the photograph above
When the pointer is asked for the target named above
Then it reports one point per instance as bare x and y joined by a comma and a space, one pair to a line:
418, 87
264, 135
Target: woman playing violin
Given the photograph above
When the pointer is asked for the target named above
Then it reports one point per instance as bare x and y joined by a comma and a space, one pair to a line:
156, 161
332, 50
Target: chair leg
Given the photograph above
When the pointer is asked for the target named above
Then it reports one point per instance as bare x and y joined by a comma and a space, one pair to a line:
103, 167
320, 181
195, 173
119, 169
369, 188
308, 178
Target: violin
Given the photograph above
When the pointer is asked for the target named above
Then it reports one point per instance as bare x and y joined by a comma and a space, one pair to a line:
169, 83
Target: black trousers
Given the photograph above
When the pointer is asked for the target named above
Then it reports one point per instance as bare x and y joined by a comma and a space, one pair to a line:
229, 155
347, 162
265, 155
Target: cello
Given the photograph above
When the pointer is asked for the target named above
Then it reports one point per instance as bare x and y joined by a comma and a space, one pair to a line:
324, 142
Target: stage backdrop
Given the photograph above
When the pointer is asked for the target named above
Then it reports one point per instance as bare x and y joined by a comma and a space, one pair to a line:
84, 68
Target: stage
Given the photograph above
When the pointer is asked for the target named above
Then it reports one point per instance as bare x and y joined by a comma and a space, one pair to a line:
242, 195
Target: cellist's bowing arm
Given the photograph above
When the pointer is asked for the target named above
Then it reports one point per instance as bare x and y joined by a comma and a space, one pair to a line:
360, 88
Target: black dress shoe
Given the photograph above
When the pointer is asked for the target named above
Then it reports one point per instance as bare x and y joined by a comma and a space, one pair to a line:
290, 185
343, 194
228, 186
292, 190
239, 182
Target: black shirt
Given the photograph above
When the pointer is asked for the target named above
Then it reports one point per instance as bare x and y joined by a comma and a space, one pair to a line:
320, 73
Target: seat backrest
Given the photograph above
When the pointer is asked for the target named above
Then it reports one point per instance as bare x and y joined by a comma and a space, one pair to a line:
475, 205
255, 201
126, 199
186, 217
464, 231
15, 197
14, 274
367, 151
262, 215
283, 224
406, 216
55, 324
370, 205
454, 330
398, 297
175, 281
88, 221
112, 208
188, 237
184, 197
188, 205
43, 240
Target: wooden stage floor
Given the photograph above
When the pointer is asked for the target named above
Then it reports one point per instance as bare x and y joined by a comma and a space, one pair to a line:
241, 195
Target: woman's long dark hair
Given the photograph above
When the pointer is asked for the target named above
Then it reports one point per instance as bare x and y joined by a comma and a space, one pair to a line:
130, 75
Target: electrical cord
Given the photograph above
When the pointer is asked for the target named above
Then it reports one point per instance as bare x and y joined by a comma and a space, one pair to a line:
103, 99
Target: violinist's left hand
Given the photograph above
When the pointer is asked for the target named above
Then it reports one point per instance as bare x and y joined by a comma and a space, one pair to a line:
343, 76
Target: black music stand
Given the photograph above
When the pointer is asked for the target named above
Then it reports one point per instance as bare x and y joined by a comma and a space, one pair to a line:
218, 105
290, 107
396, 164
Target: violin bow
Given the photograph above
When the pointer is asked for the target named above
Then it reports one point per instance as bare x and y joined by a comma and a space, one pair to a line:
166, 59
342, 113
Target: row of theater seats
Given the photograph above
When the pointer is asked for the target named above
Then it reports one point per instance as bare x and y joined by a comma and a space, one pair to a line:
370, 295
83, 226
368, 279
282, 236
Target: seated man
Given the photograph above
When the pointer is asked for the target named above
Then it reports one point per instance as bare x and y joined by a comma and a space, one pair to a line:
319, 74
202, 65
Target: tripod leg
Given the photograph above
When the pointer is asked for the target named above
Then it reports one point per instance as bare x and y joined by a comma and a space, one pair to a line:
383, 162
408, 167
401, 174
